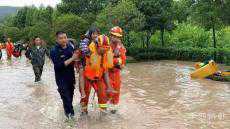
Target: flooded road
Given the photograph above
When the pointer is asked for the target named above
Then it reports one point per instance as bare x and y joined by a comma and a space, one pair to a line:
155, 95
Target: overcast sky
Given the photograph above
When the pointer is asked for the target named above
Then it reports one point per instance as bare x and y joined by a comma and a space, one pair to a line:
21, 3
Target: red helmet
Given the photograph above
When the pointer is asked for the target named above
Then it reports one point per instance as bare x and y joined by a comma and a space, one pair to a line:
116, 31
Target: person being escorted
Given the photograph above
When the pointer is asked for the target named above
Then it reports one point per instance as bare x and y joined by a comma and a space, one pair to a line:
90, 36
37, 54
94, 71
63, 57
9, 48
119, 61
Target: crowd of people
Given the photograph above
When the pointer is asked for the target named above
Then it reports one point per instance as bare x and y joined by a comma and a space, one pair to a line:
98, 60
11, 49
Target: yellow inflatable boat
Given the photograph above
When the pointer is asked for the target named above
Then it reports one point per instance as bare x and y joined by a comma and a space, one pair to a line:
225, 74
205, 71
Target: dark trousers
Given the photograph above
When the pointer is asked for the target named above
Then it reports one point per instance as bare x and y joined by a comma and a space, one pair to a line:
38, 72
66, 92
0, 54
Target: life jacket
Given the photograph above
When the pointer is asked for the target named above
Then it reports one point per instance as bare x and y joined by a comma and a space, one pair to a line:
107, 58
93, 70
97, 63
119, 59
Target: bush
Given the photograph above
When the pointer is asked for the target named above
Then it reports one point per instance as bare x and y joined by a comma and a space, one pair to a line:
188, 35
156, 38
185, 35
191, 54
135, 39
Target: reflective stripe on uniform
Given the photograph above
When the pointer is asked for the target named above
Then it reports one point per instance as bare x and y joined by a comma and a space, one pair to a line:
102, 105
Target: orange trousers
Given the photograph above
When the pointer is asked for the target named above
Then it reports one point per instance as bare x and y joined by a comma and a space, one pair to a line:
115, 80
9, 54
9, 50
100, 89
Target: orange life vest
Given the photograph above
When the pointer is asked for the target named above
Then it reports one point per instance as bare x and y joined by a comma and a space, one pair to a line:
107, 57
93, 70
120, 57
98, 62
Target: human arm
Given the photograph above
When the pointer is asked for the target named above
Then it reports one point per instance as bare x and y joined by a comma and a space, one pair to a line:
58, 62
84, 47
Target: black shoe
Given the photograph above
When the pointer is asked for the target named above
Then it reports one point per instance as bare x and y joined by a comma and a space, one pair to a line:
85, 113
36, 80
70, 117
113, 111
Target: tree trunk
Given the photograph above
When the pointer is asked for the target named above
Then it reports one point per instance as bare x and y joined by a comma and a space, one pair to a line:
214, 38
144, 41
162, 37
148, 39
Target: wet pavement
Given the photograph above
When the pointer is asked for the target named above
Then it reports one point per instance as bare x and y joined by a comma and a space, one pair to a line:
155, 95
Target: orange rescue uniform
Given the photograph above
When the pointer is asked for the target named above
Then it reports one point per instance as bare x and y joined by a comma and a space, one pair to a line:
93, 74
119, 61
9, 49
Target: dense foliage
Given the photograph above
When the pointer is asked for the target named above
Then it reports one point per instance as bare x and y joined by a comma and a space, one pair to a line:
192, 54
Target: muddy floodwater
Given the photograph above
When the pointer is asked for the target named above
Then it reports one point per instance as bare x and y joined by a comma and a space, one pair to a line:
155, 95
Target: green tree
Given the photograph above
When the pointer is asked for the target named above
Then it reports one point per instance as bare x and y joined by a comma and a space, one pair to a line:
82, 6
205, 13
40, 29
182, 10
223, 37
1, 33
73, 25
9, 20
223, 9
11, 32
125, 14
46, 15
87, 9
20, 18
158, 15
33, 21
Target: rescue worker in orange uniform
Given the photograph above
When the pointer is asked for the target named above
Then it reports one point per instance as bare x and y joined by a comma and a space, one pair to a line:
9, 48
94, 72
119, 61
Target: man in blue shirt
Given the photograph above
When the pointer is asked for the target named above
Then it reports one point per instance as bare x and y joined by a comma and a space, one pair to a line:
63, 58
